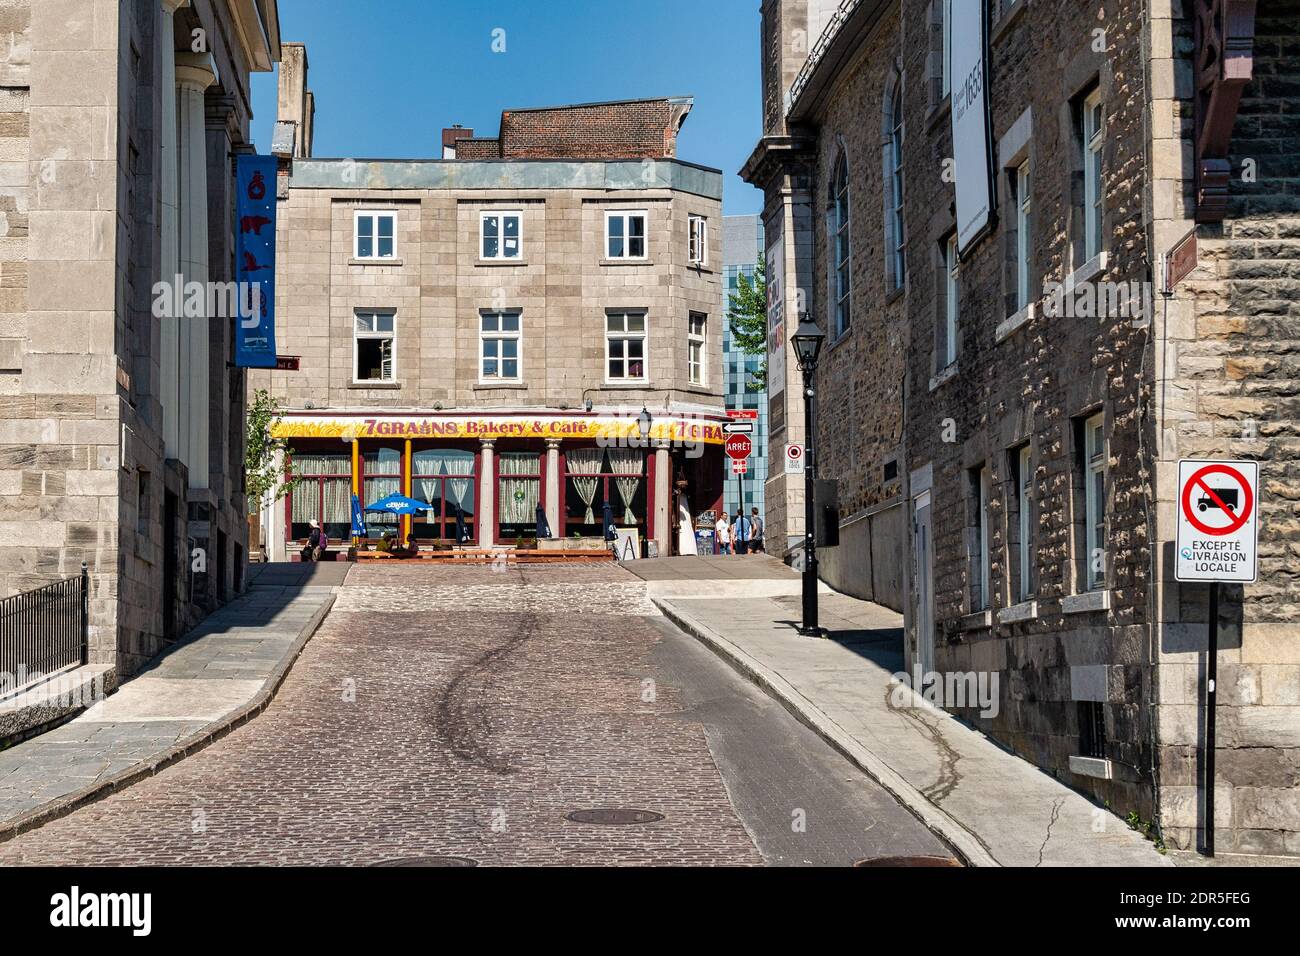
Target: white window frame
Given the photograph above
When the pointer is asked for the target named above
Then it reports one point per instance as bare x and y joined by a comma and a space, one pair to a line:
984, 564
945, 69
696, 367
376, 215
951, 305
895, 147
1024, 248
627, 215
1025, 460
1094, 507
1094, 140
625, 335
498, 336
500, 215
374, 333
697, 244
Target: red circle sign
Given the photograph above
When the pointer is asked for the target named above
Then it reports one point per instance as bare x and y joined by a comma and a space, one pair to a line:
739, 447
1237, 510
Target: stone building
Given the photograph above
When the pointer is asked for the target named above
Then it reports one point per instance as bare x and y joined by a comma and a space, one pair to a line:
1022, 402
121, 433
485, 332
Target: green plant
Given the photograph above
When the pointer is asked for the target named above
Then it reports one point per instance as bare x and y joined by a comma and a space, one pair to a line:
747, 315
1146, 828
263, 473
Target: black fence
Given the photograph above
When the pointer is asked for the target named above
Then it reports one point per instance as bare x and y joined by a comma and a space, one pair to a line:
43, 631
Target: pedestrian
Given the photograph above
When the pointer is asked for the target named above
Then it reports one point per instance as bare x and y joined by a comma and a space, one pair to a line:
740, 532
755, 532
722, 529
310, 551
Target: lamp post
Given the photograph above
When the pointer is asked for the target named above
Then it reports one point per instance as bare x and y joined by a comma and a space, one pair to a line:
807, 341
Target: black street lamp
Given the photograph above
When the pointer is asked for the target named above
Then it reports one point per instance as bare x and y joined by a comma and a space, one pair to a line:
807, 340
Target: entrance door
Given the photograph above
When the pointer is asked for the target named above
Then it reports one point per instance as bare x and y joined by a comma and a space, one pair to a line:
922, 551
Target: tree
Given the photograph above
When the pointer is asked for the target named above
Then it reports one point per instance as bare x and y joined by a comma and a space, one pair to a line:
263, 464
747, 315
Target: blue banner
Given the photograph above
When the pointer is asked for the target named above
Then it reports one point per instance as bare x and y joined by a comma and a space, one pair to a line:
358, 519
255, 260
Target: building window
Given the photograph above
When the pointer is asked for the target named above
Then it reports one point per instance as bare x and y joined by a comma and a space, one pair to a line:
381, 470
951, 305
144, 508
1024, 200
501, 235
500, 337
374, 234
1023, 473
443, 478
1094, 476
840, 259
596, 476
375, 347
323, 493
1093, 139
519, 492
945, 67
696, 324
981, 481
894, 163
1092, 729
625, 235
698, 243
625, 346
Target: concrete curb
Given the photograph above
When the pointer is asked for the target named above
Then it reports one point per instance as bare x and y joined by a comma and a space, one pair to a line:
197, 741
962, 840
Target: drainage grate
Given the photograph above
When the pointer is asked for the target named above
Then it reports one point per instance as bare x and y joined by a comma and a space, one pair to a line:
428, 861
614, 817
909, 861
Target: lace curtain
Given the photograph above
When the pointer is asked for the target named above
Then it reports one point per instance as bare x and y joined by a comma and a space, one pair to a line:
376, 490
630, 463
445, 463
337, 508
519, 496
588, 461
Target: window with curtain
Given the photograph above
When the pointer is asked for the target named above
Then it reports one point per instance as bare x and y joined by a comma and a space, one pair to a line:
324, 495
584, 483
519, 491
444, 479
382, 473
628, 466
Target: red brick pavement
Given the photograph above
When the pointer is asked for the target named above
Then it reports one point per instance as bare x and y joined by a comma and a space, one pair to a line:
487, 706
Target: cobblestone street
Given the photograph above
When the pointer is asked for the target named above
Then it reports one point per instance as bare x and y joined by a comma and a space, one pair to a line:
464, 712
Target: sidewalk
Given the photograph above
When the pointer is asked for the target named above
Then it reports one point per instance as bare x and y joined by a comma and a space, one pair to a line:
217, 677
992, 806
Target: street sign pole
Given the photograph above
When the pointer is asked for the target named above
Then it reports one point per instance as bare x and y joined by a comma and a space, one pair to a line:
1211, 695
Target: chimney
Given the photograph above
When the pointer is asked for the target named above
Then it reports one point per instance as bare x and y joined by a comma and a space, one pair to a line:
297, 104
450, 136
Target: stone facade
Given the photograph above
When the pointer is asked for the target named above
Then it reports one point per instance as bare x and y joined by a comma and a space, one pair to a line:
437, 286
94, 116
1100, 654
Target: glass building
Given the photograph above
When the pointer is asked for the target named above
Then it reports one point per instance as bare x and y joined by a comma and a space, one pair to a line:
742, 250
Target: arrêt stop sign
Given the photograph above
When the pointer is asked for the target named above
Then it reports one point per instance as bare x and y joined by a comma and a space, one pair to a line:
739, 447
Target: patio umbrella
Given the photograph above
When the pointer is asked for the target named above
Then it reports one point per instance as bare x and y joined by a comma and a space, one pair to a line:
543, 526
398, 505
461, 535
608, 516
358, 519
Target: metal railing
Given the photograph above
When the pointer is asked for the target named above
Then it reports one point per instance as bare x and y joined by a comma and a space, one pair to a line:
818, 50
43, 632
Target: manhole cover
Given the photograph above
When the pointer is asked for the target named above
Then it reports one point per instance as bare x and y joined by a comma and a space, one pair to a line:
615, 817
909, 861
428, 861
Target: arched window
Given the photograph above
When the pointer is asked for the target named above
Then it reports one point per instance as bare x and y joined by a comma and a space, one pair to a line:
840, 246
895, 234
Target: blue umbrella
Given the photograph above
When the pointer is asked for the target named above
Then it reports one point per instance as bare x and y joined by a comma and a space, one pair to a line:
610, 532
462, 535
398, 505
543, 526
358, 519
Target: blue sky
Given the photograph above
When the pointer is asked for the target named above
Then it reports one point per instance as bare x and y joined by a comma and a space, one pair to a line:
390, 74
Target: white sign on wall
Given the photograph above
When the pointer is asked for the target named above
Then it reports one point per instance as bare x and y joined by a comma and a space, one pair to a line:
1218, 521
970, 129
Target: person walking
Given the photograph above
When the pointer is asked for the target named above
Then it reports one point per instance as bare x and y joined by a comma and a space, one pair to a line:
740, 532
755, 532
722, 530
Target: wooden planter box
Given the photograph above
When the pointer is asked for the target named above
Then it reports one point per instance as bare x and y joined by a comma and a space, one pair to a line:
572, 544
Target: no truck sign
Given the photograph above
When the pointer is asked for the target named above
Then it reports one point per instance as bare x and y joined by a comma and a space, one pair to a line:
1218, 526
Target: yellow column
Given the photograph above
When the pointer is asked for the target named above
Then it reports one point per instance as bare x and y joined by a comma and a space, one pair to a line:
356, 479
406, 519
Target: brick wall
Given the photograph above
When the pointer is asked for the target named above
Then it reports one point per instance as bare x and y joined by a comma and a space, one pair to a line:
636, 129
